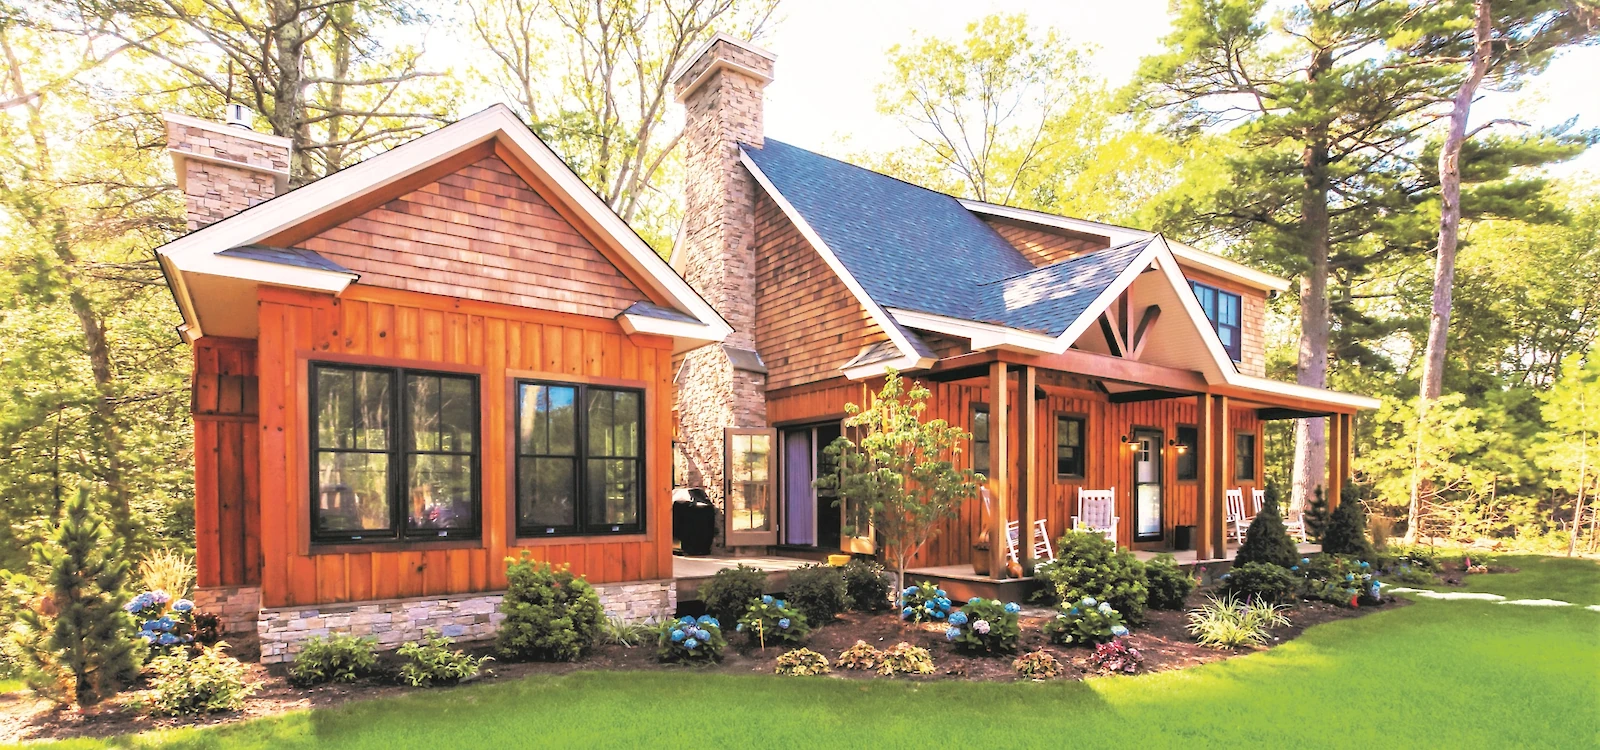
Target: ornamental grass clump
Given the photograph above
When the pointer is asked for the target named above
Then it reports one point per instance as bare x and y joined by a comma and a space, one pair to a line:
819, 592
772, 620
862, 655
924, 602
1037, 665
867, 585
904, 658
730, 591
1085, 623
985, 626
334, 658
1261, 582
550, 614
208, 682
432, 661
1087, 565
801, 662
169, 571
1117, 657
1168, 584
689, 640
1230, 624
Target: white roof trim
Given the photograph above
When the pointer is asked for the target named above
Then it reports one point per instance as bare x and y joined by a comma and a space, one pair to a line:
1116, 235
908, 353
685, 335
1310, 393
880, 368
196, 251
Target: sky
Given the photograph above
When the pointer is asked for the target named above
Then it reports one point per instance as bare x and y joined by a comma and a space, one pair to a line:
831, 56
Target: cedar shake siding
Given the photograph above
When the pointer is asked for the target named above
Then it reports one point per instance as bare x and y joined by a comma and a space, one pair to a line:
1042, 247
808, 323
480, 233
1252, 319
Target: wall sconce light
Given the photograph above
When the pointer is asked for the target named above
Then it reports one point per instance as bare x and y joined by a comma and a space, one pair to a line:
1127, 442
1180, 447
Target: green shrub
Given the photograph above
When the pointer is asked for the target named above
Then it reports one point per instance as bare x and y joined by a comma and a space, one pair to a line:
1085, 623
688, 640
1268, 541
1412, 566
1316, 515
1228, 623
729, 593
336, 658
1337, 580
1347, 528
550, 614
801, 662
860, 656
924, 602
904, 658
1089, 565
209, 682
984, 626
867, 584
432, 660
1168, 584
771, 620
819, 592
1261, 582
1037, 665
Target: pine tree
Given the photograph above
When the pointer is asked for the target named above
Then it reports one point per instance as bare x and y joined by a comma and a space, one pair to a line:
1347, 527
1316, 514
1268, 541
88, 641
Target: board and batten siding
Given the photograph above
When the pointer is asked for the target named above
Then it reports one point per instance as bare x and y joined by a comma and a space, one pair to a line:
496, 342
227, 486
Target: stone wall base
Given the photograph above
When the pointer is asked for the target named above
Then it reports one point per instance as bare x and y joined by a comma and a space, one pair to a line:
238, 607
464, 617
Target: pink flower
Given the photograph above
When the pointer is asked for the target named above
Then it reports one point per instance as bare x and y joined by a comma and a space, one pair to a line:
982, 626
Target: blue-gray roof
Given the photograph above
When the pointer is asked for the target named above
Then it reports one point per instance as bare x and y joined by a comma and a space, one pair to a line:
647, 310
918, 249
288, 256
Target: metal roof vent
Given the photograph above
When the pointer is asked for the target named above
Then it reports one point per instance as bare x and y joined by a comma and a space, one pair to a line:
237, 115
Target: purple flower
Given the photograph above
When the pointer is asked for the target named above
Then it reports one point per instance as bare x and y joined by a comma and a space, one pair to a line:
182, 605
981, 626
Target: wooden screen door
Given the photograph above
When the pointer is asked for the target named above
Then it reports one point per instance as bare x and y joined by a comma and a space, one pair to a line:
1147, 485
750, 514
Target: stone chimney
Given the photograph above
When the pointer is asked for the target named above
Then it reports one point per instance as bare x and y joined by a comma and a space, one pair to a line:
720, 387
225, 168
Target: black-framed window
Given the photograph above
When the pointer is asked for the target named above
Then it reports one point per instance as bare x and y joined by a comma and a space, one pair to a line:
1069, 446
394, 454
1188, 468
980, 438
1224, 310
580, 459
1244, 456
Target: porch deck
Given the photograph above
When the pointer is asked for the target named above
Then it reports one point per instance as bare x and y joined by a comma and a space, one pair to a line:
690, 572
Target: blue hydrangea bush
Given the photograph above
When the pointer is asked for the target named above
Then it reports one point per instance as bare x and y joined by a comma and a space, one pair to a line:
689, 640
772, 620
924, 602
164, 624
985, 626
1337, 579
1085, 623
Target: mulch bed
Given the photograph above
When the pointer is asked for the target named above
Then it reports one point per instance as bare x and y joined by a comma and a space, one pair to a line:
1163, 639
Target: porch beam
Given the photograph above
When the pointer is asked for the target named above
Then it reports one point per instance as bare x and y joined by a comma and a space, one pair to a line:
1130, 397
999, 467
1028, 473
1117, 370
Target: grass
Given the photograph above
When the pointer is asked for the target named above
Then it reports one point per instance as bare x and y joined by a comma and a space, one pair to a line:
10, 686
1434, 674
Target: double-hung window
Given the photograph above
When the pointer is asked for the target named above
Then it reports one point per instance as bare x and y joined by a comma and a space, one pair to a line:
1223, 310
1188, 440
1069, 447
580, 459
980, 439
1244, 457
394, 454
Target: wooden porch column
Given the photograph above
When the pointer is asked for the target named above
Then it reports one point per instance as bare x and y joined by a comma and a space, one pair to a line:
999, 467
1221, 475
1202, 462
1339, 443
1028, 473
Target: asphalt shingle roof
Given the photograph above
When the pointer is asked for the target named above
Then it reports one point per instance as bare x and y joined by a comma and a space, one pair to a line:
288, 256
917, 249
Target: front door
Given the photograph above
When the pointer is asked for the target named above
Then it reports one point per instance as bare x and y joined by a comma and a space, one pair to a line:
1147, 519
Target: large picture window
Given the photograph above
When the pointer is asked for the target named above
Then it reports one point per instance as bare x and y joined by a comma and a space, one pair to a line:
394, 454
1223, 310
1069, 447
580, 459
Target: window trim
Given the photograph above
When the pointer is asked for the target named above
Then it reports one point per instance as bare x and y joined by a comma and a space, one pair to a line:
1083, 446
1194, 450
522, 534
988, 441
397, 536
1236, 352
1255, 455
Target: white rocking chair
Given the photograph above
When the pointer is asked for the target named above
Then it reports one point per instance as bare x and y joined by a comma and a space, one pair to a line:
1258, 498
1041, 541
1097, 512
1235, 523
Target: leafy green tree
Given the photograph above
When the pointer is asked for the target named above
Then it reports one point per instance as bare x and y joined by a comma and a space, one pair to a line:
1570, 450
899, 476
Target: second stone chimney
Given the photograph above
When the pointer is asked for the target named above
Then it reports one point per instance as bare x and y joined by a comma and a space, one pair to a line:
224, 168
720, 387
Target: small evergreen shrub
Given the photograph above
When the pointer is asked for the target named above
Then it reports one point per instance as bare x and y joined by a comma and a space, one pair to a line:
1338, 580
984, 626
1347, 528
335, 658
1230, 624
1037, 665
688, 640
860, 656
431, 660
801, 662
771, 620
1168, 584
550, 614
1085, 623
1268, 541
924, 602
1316, 515
206, 683
819, 592
867, 585
1261, 582
904, 658
1087, 564
729, 593
1117, 657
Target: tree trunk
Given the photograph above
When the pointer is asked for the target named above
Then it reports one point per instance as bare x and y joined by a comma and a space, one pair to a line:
1444, 269
1310, 436
288, 91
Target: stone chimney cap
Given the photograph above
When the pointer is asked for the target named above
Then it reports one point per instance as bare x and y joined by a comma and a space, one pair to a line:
686, 83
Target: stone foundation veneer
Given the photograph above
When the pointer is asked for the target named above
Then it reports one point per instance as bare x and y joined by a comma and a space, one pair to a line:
464, 617
238, 607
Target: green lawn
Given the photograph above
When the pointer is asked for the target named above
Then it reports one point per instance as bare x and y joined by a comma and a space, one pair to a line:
1434, 674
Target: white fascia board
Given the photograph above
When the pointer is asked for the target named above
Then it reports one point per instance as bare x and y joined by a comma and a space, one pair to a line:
1310, 393
908, 353
684, 335
1231, 270
981, 335
903, 364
